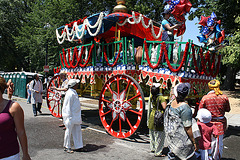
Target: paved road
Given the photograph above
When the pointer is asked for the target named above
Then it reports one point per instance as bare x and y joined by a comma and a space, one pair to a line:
45, 139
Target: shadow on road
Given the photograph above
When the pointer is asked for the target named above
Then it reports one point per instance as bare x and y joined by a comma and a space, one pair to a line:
232, 131
45, 114
140, 136
93, 147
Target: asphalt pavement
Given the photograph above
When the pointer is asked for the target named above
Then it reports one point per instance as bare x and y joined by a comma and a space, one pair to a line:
45, 138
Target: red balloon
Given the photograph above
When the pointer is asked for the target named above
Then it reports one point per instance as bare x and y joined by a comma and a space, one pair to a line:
179, 10
180, 18
187, 3
181, 30
183, 7
203, 21
222, 37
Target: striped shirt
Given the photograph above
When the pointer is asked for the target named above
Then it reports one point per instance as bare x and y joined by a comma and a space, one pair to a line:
217, 105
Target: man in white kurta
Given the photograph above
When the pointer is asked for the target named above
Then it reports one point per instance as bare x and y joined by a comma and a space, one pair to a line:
71, 114
36, 89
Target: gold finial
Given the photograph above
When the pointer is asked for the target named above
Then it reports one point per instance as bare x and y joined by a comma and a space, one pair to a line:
120, 7
120, 1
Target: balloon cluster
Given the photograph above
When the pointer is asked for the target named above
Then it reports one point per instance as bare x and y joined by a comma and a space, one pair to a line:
211, 27
178, 8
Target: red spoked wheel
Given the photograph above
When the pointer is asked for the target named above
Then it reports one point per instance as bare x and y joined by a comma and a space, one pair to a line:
121, 106
54, 97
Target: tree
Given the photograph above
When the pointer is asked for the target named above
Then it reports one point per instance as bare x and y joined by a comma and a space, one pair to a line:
32, 37
232, 58
12, 15
228, 11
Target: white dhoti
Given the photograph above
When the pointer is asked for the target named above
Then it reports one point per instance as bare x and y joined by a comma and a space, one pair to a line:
217, 147
71, 113
76, 132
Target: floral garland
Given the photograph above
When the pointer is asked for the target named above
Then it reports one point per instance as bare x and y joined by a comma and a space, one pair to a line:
75, 53
64, 57
183, 59
70, 33
213, 63
147, 55
210, 66
57, 70
115, 62
89, 56
207, 60
61, 59
195, 61
141, 19
218, 67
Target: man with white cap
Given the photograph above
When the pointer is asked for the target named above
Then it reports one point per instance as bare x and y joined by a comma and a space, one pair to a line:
207, 130
71, 113
217, 103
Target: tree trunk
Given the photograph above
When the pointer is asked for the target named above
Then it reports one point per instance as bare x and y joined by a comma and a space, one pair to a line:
229, 83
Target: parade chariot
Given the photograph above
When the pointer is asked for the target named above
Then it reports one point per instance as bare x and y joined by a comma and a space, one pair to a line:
118, 57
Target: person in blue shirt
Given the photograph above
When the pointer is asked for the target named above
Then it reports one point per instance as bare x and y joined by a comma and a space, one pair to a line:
168, 28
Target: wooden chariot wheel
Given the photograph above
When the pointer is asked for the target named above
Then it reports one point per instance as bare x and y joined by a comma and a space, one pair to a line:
54, 97
121, 106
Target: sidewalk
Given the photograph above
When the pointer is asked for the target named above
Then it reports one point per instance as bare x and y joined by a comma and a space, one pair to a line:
233, 120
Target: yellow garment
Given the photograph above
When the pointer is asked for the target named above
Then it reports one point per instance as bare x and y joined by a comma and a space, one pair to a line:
215, 87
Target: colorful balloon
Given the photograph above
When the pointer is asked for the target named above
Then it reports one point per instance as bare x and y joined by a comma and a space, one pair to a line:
210, 26
178, 8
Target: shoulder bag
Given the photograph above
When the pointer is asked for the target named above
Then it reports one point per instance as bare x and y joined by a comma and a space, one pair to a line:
158, 117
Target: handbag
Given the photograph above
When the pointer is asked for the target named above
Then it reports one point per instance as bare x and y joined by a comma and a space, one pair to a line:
158, 117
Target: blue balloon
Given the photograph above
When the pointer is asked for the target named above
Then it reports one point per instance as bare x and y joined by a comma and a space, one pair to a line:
166, 1
175, 2
202, 39
205, 31
210, 22
218, 31
218, 28
213, 16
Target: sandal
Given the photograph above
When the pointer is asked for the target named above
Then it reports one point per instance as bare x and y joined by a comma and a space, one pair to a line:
68, 150
160, 155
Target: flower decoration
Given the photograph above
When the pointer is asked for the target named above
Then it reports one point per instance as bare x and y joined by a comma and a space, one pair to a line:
119, 106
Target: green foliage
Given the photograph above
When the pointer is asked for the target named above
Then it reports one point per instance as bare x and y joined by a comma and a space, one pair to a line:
226, 10
232, 52
24, 37
11, 15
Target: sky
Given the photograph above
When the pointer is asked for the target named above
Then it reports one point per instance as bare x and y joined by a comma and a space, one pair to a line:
192, 31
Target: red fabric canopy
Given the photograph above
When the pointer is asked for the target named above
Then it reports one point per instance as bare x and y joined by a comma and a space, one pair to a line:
131, 30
